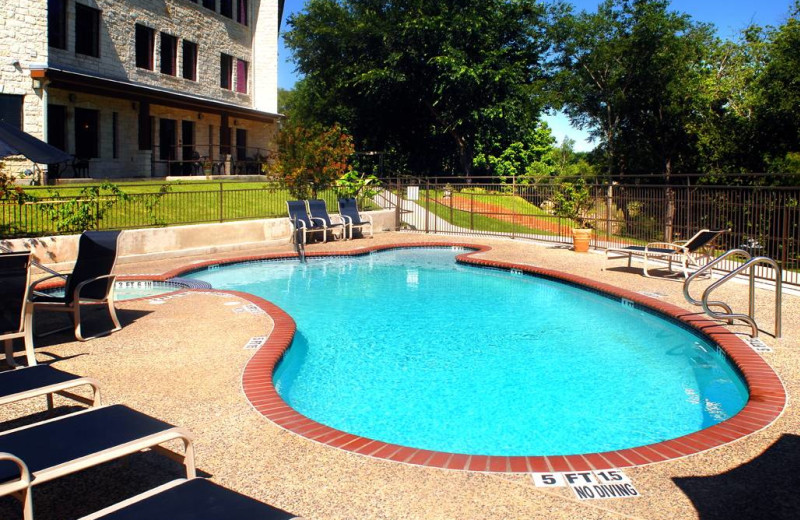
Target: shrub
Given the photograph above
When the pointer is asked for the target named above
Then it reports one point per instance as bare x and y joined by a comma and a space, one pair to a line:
310, 159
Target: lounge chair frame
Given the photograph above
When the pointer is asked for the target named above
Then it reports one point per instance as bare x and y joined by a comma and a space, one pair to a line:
318, 210
73, 306
349, 220
61, 388
301, 220
685, 252
153, 441
25, 331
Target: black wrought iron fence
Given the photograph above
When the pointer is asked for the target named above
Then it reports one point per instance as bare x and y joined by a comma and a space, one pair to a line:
762, 220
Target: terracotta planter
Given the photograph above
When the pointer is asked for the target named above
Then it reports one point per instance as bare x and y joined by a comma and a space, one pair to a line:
581, 239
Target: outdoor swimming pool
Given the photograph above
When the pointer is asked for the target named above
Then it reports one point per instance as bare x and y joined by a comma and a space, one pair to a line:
409, 347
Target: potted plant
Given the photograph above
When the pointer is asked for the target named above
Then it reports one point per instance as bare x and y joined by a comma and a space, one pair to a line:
573, 201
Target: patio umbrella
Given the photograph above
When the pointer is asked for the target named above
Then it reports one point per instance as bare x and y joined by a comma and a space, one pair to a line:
14, 141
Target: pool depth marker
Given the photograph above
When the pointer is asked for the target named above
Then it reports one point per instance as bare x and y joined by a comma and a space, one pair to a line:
590, 485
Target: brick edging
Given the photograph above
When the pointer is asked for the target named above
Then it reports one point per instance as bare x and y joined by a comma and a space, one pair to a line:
767, 394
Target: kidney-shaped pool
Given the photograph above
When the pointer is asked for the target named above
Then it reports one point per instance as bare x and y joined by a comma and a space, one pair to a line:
409, 347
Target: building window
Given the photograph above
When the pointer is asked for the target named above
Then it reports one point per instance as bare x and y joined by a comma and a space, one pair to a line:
57, 23
87, 133
11, 110
57, 126
189, 60
241, 76
87, 25
210, 4
169, 54
241, 12
226, 71
226, 8
145, 41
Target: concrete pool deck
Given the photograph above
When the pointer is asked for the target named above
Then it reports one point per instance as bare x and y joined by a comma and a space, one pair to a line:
181, 359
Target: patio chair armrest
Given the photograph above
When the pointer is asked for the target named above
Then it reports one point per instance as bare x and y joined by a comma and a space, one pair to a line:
297, 223
24, 481
80, 286
366, 216
321, 221
346, 219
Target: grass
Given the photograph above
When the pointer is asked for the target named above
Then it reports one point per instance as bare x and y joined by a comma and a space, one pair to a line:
64, 209
485, 221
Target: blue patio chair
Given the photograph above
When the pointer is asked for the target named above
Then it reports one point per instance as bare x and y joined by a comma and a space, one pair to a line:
34, 381
300, 220
348, 209
47, 450
681, 250
191, 500
317, 209
91, 282
15, 276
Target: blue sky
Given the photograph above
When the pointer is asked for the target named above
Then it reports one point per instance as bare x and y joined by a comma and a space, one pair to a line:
729, 16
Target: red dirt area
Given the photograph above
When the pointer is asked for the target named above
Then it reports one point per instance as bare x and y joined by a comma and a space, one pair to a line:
498, 212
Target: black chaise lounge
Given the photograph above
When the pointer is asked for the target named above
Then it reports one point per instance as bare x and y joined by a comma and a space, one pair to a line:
34, 381
190, 500
681, 250
15, 275
317, 209
348, 209
90, 282
301, 221
47, 450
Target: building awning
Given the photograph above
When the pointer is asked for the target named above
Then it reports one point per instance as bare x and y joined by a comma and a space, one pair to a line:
14, 141
120, 88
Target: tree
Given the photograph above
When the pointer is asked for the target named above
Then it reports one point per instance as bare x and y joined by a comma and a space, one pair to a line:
439, 82
629, 73
779, 92
311, 159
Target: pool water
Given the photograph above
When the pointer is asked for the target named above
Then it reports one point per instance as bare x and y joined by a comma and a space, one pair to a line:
130, 290
408, 347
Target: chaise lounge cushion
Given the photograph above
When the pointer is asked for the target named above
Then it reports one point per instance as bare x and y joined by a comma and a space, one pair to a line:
71, 437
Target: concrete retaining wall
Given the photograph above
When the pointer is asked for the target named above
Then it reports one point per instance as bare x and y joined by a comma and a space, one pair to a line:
137, 245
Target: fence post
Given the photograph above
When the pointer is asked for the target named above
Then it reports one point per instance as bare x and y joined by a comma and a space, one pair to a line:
513, 206
609, 202
221, 212
427, 203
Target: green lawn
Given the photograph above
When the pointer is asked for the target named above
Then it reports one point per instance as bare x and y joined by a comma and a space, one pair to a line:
145, 205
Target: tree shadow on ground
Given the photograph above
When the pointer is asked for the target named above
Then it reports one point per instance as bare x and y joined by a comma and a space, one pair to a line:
765, 487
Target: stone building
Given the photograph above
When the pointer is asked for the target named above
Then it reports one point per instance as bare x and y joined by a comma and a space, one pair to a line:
143, 88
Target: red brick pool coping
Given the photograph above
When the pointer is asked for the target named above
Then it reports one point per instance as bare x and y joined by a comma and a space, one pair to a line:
767, 394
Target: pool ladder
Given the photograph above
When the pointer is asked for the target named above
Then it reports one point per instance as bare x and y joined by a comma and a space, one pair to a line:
299, 243
728, 314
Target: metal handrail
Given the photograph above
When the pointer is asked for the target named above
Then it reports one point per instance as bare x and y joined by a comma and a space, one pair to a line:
299, 243
748, 318
709, 267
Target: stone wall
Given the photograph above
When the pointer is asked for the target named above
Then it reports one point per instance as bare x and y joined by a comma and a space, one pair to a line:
152, 244
23, 45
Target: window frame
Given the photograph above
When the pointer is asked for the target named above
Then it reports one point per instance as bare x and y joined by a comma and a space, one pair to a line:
151, 34
241, 86
168, 66
93, 28
242, 12
226, 64
57, 26
194, 51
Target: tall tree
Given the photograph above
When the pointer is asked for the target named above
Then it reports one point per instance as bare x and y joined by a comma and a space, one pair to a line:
629, 73
436, 81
